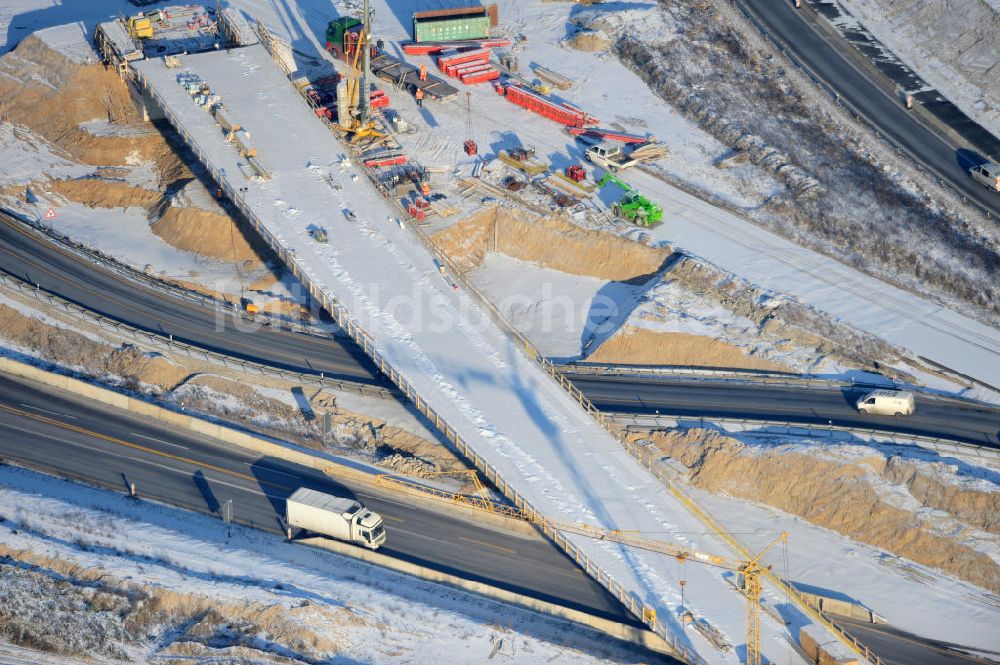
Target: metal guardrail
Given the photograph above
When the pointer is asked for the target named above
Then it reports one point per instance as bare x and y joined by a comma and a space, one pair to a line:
938, 444
342, 317
858, 115
125, 331
112, 264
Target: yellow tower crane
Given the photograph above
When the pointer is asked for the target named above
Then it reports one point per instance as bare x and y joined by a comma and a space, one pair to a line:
750, 570
356, 119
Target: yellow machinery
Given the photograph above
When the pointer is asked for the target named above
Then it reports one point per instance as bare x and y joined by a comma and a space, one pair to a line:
140, 27
353, 108
750, 570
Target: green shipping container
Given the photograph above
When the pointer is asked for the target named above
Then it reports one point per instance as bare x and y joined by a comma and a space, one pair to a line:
451, 29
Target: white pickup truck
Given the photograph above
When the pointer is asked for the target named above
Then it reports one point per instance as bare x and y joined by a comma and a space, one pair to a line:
334, 516
609, 156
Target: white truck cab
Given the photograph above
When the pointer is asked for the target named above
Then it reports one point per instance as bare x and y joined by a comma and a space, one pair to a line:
987, 174
334, 516
887, 403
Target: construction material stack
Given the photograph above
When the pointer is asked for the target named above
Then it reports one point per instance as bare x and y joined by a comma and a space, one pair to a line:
563, 113
469, 67
434, 48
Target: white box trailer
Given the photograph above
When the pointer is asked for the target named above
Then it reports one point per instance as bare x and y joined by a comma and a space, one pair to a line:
887, 403
337, 517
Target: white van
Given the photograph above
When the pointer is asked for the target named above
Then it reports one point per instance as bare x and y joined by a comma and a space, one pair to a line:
887, 403
987, 174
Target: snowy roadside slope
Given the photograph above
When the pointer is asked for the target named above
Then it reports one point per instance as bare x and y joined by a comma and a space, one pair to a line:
386, 617
441, 341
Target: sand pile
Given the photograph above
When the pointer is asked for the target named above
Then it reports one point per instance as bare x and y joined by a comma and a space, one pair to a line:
100, 193
855, 491
551, 242
206, 233
767, 331
642, 346
590, 40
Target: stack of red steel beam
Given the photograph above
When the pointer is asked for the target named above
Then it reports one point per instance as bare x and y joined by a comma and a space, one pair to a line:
433, 48
607, 134
564, 113
468, 66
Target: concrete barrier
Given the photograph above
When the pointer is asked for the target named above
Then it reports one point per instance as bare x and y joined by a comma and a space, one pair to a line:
621, 631
315, 460
826, 653
641, 637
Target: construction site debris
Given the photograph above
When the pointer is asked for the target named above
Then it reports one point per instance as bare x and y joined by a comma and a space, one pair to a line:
523, 159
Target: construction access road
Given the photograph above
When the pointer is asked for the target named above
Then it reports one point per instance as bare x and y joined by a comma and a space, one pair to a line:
57, 432
30, 256
832, 60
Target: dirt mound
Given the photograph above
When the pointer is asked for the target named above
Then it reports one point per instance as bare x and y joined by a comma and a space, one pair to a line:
642, 346
861, 496
206, 233
590, 40
99, 193
551, 242
75, 350
47, 92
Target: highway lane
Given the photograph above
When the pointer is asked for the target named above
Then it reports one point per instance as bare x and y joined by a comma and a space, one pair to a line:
55, 431
27, 255
825, 57
971, 423
898, 647
39, 261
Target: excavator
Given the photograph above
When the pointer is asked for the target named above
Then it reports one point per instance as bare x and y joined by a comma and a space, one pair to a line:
633, 206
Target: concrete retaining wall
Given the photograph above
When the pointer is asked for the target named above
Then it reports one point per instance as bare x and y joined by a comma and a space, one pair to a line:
640, 636
317, 461
827, 653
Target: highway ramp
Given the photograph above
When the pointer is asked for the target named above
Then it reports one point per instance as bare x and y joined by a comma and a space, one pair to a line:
61, 433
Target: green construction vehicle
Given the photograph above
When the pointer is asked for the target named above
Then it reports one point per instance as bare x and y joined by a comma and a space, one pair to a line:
633, 206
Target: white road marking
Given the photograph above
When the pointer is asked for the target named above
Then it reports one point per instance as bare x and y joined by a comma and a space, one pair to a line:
54, 413
152, 438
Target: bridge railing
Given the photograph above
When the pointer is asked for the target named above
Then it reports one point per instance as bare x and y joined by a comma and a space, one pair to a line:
342, 318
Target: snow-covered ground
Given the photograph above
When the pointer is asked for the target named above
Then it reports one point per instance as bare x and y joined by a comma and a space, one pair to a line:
560, 313
519, 420
387, 617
